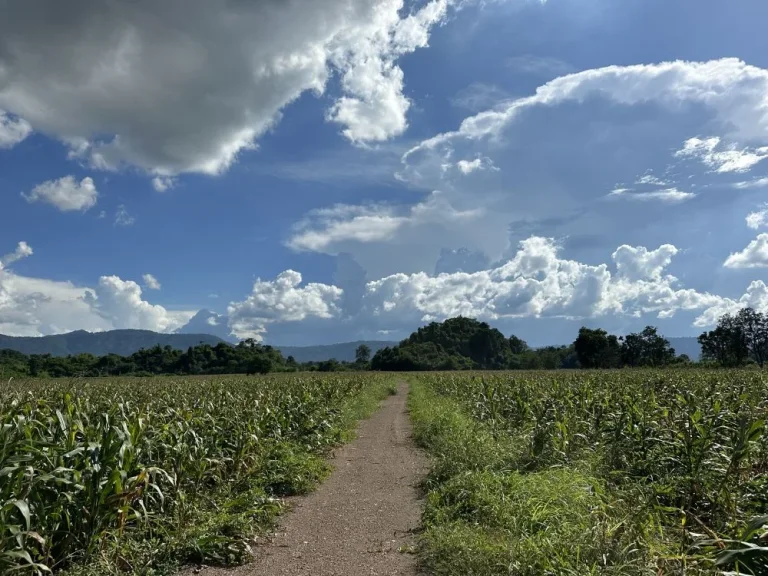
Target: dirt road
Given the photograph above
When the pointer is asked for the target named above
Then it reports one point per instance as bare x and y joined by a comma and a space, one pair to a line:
356, 521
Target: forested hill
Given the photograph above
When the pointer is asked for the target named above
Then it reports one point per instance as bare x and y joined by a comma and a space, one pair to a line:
343, 352
121, 342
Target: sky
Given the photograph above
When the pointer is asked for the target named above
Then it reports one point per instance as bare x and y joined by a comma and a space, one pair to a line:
336, 170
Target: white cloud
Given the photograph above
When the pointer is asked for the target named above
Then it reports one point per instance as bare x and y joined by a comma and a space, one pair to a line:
120, 303
560, 148
187, 87
325, 229
667, 196
537, 282
39, 306
122, 217
758, 219
469, 166
327, 226
652, 180
757, 183
281, 300
66, 194
23, 250
639, 263
729, 159
12, 130
151, 282
755, 255
163, 183
734, 91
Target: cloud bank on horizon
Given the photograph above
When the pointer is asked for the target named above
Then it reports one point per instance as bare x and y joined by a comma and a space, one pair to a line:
338, 171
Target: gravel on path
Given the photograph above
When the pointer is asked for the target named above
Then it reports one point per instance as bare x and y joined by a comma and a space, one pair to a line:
361, 520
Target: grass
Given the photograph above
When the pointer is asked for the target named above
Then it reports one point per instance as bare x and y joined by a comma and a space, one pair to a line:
632, 472
141, 476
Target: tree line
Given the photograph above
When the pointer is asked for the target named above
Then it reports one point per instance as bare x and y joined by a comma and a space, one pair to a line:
247, 357
455, 344
464, 343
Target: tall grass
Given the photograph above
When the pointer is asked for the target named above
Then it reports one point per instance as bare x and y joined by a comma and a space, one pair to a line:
613, 472
140, 475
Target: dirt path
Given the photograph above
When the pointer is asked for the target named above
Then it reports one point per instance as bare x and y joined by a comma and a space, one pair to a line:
357, 519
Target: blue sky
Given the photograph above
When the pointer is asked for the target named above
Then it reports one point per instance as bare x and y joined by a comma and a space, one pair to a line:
352, 169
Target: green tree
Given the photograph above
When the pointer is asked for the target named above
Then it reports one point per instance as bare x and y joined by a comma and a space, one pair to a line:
646, 348
363, 354
597, 349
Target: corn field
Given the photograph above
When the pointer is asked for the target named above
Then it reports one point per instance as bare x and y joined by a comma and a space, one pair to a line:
674, 464
129, 473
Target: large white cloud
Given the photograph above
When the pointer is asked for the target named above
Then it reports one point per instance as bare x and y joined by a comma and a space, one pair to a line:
544, 164
538, 282
281, 300
38, 306
186, 85
735, 92
66, 193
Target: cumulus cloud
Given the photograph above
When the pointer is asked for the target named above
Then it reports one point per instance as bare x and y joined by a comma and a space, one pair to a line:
39, 306
667, 196
726, 159
734, 91
151, 282
189, 85
281, 300
581, 124
639, 263
66, 194
12, 130
537, 282
758, 218
755, 255
161, 184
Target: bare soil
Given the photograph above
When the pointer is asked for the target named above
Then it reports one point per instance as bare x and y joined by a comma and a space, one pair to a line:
361, 520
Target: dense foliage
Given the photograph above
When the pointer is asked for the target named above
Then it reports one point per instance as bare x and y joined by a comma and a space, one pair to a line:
635, 473
465, 344
137, 475
598, 349
737, 339
247, 357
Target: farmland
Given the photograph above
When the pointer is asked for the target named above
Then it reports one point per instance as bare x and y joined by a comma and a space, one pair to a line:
141, 475
632, 472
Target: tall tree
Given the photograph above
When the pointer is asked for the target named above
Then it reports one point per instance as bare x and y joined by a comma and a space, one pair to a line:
754, 326
597, 349
363, 354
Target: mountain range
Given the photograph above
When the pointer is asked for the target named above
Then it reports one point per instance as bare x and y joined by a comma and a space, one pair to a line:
122, 342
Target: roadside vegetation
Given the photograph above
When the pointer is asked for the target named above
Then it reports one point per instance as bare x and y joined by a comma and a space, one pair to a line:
640, 472
139, 476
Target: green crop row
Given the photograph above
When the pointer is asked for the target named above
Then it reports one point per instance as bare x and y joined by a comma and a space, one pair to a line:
139, 475
635, 472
